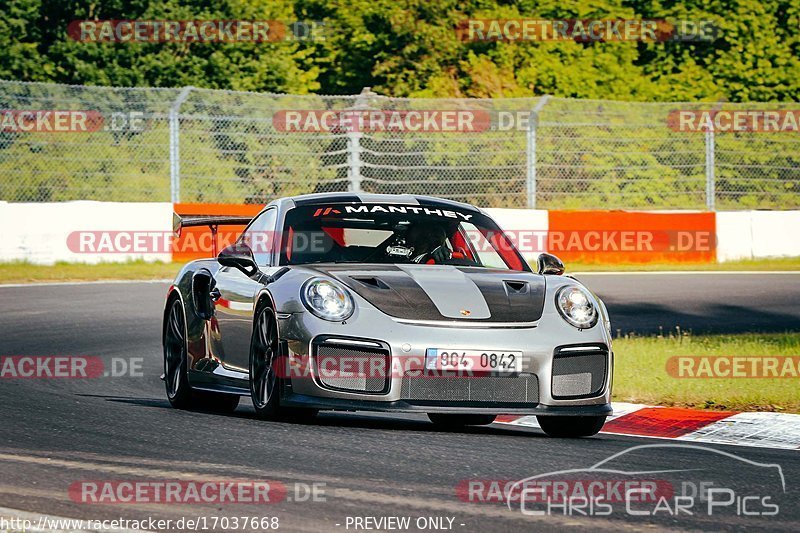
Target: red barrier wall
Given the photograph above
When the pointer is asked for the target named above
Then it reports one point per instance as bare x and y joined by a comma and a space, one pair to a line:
614, 237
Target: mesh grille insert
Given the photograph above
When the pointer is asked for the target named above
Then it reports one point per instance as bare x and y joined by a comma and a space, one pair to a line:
495, 389
352, 368
579, 373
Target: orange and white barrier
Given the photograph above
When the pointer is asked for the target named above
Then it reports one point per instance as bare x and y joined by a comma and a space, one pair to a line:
91, 232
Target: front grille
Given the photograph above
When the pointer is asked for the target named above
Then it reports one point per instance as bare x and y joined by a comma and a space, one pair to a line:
431, 387
351, 368
579, 371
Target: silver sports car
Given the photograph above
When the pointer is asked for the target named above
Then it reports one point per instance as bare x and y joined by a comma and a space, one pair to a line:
385, 303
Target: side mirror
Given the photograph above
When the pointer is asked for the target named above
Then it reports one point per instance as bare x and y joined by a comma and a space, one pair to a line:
238, 255
549, 265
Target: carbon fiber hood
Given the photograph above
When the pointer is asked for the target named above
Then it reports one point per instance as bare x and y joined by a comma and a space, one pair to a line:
443, 292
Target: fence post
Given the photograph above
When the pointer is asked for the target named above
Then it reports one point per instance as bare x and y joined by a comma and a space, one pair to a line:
174, 145
710, 177
533, 124
354, 160
354, 135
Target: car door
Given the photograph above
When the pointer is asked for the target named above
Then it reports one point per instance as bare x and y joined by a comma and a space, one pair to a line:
237, 291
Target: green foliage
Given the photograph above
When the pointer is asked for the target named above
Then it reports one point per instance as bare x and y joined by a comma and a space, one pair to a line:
591, 153
411, 48
35, 34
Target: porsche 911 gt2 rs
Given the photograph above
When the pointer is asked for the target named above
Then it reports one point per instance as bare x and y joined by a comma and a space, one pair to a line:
404, 303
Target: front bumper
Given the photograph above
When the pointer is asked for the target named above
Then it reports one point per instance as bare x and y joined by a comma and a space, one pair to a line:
404, 406
403, 341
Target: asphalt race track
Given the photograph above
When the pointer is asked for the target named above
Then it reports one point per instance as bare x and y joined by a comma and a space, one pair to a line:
56, 432
699, 302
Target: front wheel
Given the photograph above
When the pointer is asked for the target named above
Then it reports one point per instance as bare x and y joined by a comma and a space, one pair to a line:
571, 426
459, 421
264, 348
265, 382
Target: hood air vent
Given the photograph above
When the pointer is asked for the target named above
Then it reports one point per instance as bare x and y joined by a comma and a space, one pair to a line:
372, 282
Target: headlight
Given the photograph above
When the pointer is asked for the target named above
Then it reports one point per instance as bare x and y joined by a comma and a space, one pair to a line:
327, 299
577, 307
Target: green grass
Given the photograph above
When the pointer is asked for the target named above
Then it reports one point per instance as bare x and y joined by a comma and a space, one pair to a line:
641, 375
766, 264
21, 272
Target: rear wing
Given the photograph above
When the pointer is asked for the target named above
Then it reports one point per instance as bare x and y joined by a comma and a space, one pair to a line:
212, 221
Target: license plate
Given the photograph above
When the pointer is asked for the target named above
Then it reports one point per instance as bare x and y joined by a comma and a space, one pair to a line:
473, 360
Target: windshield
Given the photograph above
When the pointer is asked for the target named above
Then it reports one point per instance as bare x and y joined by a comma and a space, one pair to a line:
412, 234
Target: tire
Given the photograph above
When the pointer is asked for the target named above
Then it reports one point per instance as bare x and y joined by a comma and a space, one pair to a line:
571, 426
265, 383
176, 380
460, 421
